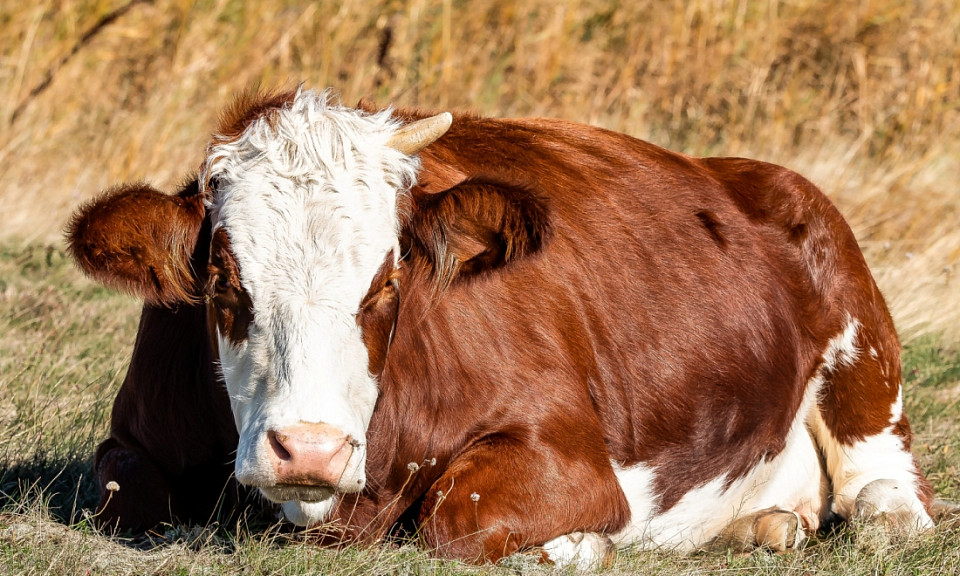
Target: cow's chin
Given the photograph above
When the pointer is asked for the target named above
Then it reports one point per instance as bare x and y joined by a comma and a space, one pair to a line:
307, 513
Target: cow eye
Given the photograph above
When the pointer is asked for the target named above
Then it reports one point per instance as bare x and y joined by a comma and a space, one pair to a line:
221, 284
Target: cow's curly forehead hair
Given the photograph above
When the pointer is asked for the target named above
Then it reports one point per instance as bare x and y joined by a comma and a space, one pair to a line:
306, 135
250, 105
307, 188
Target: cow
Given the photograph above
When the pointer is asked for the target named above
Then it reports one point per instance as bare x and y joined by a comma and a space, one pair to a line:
498, 335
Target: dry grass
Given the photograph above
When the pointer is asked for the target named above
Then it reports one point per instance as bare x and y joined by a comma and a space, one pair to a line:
861, 96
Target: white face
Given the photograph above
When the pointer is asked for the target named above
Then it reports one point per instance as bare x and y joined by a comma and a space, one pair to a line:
308, 202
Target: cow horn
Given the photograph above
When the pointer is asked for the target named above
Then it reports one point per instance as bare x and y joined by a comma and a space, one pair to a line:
416, 136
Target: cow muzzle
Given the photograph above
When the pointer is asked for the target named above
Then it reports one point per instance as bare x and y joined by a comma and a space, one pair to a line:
312, 461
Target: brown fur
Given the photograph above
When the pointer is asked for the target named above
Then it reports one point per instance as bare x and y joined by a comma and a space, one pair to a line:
148, 255
231, 303
378, 314
249, 106
572, 297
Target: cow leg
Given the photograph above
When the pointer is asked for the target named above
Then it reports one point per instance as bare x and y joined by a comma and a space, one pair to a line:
134, 494
502, 496
778, 530
863, 433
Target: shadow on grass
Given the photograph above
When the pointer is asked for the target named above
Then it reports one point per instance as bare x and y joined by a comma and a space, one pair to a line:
67, 491
66, 488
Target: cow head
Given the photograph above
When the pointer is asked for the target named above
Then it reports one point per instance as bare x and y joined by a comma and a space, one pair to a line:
303, 204
302, 197
307, 202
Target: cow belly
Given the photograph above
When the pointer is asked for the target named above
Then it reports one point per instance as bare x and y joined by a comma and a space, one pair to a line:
793, 480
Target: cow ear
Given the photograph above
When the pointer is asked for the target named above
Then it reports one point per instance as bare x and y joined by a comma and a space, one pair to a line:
475, 227
140, 240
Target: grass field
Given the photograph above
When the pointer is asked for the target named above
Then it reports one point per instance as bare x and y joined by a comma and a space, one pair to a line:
863, 97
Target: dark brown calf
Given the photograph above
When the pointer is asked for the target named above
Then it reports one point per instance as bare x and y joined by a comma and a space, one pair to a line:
172, 438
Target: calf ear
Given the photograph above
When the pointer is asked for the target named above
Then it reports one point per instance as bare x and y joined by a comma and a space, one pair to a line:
140, 240
475, 227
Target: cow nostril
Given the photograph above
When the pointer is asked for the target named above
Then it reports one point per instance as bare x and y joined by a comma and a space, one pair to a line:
276, 442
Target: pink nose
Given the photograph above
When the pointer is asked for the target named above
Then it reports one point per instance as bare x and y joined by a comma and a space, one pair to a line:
309, 454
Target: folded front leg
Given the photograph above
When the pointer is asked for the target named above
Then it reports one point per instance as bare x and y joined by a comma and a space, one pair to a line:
134, 494
505, 494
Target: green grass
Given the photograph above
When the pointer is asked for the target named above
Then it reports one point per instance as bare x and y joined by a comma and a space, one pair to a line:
64, 343
932, 401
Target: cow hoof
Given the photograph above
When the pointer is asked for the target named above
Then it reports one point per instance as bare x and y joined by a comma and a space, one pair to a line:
779, 531
583, 550
776, 529
892, 506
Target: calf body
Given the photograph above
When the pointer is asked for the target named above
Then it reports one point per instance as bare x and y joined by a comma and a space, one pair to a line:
512, 331
170, 452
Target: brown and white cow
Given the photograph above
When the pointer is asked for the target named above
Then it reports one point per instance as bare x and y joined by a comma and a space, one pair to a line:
505, 333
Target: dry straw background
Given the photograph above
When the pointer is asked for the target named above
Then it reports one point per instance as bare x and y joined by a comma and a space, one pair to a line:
862, 97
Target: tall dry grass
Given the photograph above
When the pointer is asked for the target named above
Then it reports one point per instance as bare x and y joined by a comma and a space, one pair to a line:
862, 96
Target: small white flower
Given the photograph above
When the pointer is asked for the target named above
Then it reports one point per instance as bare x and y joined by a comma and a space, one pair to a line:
113, 486
413, 466
439, 493
475, 497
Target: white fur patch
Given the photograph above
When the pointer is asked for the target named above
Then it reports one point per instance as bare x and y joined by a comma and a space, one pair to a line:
842, 349
309, 203
878, 457
307, 513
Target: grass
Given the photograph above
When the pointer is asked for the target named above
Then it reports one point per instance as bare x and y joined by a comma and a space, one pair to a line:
861, 96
